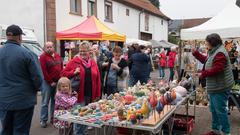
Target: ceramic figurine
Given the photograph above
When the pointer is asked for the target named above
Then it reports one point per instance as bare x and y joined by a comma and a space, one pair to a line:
145, 109
128, 99
159, 107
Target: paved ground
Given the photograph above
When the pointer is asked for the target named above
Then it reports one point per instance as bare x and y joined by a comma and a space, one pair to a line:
202, 122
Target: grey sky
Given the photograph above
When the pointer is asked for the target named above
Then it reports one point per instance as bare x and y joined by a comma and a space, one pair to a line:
185, 9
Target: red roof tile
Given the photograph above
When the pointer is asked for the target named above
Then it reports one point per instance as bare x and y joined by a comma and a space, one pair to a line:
144, 5
189, 23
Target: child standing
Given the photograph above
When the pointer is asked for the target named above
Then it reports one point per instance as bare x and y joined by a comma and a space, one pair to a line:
64, 100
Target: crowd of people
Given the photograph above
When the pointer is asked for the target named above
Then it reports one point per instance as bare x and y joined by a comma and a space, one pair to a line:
96, 73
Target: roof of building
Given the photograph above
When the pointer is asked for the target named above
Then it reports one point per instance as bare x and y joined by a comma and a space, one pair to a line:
189, 23
145, 5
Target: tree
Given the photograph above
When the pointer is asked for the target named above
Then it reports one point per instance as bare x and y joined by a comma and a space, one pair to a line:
156, 3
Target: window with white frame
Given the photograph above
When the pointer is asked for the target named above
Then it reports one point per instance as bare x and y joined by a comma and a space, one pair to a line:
127, 12
108, 11
92, 7
146, 22
76, 6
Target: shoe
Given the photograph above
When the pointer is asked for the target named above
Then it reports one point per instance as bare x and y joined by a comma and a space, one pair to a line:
211, 133
43, 124
90, 128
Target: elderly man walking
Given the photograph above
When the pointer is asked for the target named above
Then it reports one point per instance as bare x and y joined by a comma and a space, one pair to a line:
20, 79
52, 65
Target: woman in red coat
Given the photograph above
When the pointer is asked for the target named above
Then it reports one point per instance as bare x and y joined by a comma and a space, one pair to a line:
90, 82
162, 63
171, 61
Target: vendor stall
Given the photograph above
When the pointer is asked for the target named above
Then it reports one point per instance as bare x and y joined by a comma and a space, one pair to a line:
90, 29
142, 107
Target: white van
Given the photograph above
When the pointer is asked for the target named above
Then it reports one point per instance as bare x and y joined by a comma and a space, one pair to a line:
29, 39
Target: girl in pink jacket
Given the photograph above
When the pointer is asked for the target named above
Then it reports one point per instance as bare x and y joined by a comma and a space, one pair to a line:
64, 101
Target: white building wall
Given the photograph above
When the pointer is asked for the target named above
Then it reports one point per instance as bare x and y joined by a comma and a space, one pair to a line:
128, 25
25, 13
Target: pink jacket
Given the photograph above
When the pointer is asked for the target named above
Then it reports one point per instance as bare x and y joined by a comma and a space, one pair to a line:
64, 101
171, 60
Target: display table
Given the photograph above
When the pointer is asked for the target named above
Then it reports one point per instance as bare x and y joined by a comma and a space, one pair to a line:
168, 118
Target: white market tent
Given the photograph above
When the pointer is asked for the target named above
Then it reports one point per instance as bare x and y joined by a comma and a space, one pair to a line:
226, 24
130, 41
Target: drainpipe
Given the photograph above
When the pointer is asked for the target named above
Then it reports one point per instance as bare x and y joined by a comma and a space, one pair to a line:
139, 24
44, 21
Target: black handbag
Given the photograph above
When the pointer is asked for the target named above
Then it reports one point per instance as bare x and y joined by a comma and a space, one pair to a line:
75, 82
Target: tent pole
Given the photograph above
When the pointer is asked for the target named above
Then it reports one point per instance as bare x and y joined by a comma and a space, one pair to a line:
180, 59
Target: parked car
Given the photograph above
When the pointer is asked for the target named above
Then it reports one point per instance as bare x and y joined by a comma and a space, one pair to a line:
29, 40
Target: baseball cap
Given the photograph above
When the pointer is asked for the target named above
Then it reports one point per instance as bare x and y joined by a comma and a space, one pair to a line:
14, 30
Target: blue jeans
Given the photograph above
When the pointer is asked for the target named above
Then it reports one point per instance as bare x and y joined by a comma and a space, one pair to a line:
77, 128
161, 71
48, 93
16, 122
219, 109
134, 80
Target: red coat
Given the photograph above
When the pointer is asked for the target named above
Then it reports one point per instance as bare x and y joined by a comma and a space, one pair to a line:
162, 60
218, 64
171, 60
51, 67
96, 81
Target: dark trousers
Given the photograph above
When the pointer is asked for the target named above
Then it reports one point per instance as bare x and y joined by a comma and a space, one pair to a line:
171, 74
17, 122
134, 80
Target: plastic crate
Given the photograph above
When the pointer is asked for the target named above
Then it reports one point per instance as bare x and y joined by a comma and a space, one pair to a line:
181, 126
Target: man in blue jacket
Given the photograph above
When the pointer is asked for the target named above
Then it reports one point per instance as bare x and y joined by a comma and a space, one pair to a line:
20, 79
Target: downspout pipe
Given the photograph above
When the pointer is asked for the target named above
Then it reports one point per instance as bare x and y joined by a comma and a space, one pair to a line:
44, 21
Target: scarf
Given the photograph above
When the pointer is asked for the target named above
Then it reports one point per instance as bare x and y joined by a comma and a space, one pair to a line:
86, 63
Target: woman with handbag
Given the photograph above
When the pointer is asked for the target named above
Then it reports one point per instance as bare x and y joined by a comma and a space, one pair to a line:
89, 79
116, 73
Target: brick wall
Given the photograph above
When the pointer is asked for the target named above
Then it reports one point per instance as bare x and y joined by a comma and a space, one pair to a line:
51, 20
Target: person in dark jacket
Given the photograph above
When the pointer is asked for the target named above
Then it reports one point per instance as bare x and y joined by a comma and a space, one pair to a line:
219, 80
52, 65
132, 50
20, 79
140, 67
116, 73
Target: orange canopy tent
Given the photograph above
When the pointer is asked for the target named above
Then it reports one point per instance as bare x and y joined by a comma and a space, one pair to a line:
90, 29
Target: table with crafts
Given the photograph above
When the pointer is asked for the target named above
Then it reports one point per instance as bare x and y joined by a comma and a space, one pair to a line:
142, 107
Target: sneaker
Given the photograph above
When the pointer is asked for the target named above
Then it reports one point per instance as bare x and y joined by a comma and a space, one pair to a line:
90, 128
43, 124
211, 133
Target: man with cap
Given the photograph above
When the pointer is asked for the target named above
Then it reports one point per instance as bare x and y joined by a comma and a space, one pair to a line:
20, 79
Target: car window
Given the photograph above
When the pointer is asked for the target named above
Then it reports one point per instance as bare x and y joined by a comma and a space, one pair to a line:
34, 47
